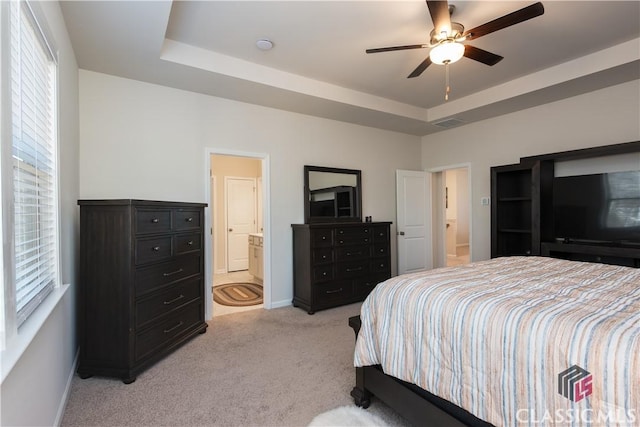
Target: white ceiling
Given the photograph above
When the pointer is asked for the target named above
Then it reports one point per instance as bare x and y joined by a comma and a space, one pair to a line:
318, 64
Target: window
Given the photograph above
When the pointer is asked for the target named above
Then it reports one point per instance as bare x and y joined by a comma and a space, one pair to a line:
29, 165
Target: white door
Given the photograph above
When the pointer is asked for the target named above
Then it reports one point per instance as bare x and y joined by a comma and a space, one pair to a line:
413, 198
241, 220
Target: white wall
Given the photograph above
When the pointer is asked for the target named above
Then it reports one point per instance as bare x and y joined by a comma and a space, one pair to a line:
34, 391
604, 117
146, 141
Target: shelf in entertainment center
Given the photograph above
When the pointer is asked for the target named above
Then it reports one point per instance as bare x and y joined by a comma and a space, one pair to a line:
604, 253
514, 230
514, 199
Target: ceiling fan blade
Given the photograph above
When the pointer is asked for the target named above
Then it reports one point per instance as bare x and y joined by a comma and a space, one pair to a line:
513, 18
420, 68
439, 11
481, 55
389, 49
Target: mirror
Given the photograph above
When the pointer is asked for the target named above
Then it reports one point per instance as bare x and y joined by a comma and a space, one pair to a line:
332, 195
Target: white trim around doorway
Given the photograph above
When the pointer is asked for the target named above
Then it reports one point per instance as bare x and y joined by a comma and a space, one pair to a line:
266, 212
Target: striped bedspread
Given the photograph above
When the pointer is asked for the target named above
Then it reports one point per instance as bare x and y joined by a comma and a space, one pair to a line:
515, 341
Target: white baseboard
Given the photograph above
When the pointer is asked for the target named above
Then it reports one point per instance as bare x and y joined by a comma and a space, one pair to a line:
280, 304
67, 390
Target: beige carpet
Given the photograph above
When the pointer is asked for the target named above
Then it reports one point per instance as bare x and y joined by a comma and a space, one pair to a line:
278, 367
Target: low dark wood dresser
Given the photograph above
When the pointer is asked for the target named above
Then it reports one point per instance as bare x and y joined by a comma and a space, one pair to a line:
141, 291
338, 263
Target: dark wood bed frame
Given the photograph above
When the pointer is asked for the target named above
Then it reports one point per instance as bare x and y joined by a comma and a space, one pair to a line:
419, 406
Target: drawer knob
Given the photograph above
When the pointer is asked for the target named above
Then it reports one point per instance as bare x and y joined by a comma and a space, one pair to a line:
366, 230
324, 237
366, 240
324, 273
156, 248
335, 291
341, 241
190, 243
155, 220
189, 219
341, 231
349, 270
324, 257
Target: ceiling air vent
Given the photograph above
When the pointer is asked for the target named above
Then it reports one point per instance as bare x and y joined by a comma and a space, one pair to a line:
448, 123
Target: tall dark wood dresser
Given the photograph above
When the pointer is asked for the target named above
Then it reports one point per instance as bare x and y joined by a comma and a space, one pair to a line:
337, 264
141, 291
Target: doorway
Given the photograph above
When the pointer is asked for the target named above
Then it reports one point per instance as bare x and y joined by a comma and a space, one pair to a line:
451, 201
237, 230
456, 216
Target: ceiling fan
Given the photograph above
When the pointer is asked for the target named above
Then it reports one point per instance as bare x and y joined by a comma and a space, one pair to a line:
447, 37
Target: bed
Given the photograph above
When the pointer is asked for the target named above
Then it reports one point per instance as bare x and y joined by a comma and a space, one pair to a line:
508, 341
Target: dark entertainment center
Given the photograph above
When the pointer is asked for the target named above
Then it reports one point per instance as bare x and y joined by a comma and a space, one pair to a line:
590, 218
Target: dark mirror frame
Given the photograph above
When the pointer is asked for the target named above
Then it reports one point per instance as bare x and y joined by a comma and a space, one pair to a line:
357, 199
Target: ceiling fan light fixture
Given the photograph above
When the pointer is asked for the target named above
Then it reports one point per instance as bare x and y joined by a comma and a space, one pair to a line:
446, 52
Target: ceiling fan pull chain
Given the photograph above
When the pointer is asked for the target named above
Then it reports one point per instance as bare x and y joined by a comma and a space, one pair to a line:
446, 81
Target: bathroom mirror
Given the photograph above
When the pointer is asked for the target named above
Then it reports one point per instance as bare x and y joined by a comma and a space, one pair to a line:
332, 195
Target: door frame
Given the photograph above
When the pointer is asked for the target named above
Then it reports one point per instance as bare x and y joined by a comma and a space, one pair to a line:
266, 220
439, 214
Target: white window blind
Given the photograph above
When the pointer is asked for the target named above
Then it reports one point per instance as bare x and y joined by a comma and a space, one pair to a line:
34, 134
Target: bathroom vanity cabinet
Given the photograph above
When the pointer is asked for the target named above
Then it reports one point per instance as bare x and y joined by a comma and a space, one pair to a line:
256, 263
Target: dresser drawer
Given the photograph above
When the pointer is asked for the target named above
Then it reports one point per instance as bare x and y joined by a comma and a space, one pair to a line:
184, 243
333, 291
321, 255
162, 332
364, 285
160, 304
187, 219
380, 250
380, 265
353, 252
380, 234
159, 275
352, 269
353, 232
152, 220
323, 273
322, 237
354, 238
151, 250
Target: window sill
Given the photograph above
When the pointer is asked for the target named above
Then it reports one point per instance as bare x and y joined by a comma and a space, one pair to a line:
17, 345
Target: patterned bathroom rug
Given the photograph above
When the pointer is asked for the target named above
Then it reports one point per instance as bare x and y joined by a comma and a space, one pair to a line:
238, 294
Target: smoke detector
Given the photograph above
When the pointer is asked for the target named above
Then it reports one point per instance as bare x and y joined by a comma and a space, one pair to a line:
264, 44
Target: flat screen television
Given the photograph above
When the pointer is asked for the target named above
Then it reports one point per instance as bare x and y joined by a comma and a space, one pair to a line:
600, 208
